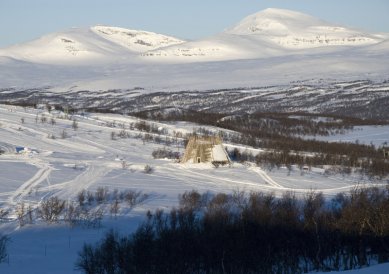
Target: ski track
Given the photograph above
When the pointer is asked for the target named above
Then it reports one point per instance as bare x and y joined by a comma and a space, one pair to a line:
266, 177
82, 181
25, 189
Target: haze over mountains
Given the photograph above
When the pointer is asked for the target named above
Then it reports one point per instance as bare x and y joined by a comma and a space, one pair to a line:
270, 47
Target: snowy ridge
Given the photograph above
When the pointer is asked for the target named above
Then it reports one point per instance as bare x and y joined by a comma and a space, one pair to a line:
134, 40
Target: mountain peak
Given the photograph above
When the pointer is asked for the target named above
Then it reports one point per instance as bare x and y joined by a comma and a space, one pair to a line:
274, 21
282, 12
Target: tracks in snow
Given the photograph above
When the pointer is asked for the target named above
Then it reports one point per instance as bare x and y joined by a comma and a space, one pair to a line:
26, 188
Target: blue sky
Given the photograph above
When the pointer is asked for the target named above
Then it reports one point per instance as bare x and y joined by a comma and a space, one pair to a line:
24, 20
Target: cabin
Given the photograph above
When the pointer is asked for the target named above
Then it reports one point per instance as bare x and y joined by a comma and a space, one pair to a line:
25, 150
205, 149
20, 149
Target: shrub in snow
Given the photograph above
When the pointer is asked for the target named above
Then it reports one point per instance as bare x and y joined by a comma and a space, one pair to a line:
165, 153
148, 169
133, 197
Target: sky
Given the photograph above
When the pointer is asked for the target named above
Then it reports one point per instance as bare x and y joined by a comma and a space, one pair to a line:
25, 20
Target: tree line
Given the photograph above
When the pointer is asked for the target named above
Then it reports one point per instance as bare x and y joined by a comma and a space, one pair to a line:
88, 210
251, 233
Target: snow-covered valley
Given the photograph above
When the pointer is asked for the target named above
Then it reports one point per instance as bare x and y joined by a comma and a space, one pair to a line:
88, 158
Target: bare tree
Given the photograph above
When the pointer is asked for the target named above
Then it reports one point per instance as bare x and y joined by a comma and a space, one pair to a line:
29, 214
20, 212
72, 214
81, 196
51, 209
3, 213
115, 207
101, 194
75, 124
90, 197
64, 135
3, 247
43, 119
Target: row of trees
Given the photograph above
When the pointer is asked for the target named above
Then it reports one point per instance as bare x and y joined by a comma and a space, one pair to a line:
341, 164
251, 233
88, 210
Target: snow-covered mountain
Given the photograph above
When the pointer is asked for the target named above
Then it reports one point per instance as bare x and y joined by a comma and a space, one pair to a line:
269, 33
272, 32
72, 46
270, 47
292, 29
88, 45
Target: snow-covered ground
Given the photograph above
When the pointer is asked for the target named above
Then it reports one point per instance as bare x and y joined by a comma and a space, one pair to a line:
88, 158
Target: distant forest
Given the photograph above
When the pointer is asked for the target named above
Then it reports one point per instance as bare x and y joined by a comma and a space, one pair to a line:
281, 134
